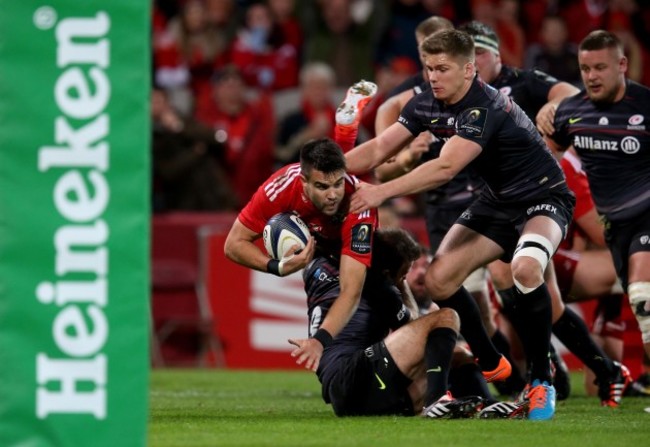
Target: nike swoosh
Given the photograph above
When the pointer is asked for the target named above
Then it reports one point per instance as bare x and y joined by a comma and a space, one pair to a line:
434, 370
382, 385
574, 120
435, 120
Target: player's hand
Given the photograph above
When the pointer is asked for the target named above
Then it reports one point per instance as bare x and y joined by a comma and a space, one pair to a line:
296, 259
308, 352
365, 197
420, 145
545, 118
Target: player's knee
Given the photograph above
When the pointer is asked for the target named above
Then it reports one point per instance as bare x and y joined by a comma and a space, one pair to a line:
447, 317
437, 287
530, 260
639, 295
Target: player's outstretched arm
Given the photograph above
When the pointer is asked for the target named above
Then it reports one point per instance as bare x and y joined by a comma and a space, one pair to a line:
367, 156
546, 115
454, 156
309, 351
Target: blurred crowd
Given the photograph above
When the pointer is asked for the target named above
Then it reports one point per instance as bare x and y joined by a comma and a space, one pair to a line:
240, 85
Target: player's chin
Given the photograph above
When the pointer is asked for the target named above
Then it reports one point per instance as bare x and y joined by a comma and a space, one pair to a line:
330, 210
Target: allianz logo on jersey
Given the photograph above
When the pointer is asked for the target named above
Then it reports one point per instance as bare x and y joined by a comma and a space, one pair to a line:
628, 145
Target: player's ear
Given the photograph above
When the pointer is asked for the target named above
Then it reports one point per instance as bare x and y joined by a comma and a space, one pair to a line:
622, 64
470, 70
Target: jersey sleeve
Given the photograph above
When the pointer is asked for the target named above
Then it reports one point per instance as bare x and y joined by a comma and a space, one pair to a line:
357, 233
476, 124
561, 135
408, 118
540, 84
272, 197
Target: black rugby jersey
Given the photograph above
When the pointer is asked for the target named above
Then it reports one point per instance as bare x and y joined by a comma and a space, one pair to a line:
380, 310
460, 190
613, 142
514, 163
528, 88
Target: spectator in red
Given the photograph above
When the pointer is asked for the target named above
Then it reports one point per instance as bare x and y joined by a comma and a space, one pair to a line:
187, 164
266, 59
511, 34
185, 54
245, 124
284, 15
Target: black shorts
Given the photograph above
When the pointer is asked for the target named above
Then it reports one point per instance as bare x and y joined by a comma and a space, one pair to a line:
626, 238
439, 220
503, 222
369, 384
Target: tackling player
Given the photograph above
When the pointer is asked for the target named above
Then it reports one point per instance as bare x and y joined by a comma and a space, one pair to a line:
521, 214
369, 371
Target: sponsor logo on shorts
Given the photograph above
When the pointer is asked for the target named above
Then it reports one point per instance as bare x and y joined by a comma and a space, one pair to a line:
645, 239
382, 385
541, 207
369, 352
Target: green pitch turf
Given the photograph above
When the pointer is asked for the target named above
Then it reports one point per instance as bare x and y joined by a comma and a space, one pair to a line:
249, 408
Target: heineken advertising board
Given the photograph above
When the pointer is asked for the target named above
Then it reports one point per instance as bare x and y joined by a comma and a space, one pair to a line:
74, 225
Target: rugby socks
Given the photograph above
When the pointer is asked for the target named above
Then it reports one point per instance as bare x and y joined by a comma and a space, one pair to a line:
535, 313
572, 331
437, 358
471, 326
607, 317
468, 380
515, 382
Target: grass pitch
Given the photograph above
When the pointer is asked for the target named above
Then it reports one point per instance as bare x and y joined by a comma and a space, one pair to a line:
195, 408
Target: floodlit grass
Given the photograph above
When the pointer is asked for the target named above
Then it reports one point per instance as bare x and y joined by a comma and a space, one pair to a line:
251, 408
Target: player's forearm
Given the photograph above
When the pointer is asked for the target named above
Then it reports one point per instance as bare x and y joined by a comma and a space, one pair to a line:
425, 177
340, 313
363, 158
246, 254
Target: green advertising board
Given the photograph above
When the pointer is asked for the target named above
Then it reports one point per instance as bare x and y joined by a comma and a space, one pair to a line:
74, 222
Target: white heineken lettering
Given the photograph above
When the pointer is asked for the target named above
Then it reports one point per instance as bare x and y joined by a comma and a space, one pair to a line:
74, 379
74, 336
67, 374
64, 292
74, 95
74, 200
83, 51
81, 152
88, 258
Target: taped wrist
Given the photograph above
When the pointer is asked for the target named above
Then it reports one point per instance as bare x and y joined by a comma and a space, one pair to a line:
274, 266
324, 337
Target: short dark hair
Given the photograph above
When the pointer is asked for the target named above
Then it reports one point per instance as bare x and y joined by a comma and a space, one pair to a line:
452, 42
484, 36
323, 155
600, 40
432, 25
392, 248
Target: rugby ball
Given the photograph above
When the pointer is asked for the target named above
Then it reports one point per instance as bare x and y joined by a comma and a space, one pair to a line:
283, 231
